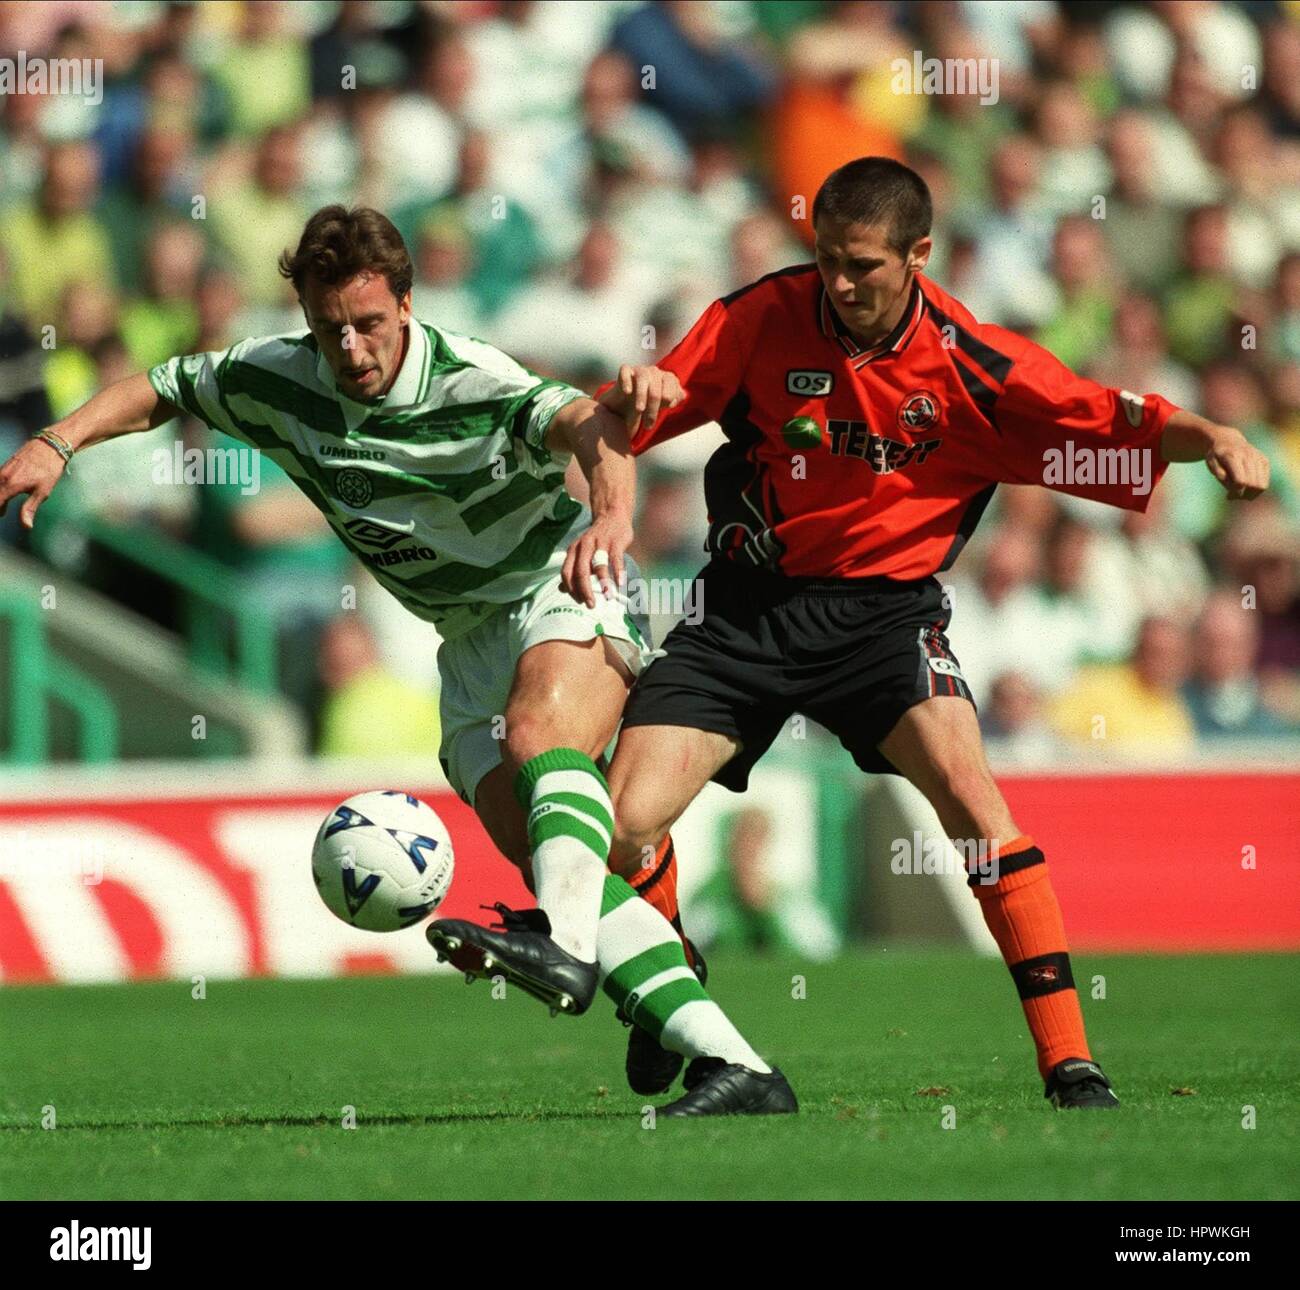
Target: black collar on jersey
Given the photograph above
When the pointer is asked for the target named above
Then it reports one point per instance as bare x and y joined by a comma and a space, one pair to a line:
833, 327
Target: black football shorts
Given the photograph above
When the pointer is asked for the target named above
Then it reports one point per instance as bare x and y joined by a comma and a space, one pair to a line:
851, 654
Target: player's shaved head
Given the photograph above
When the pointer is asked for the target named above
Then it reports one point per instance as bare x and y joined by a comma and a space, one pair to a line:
877, 190
871, 220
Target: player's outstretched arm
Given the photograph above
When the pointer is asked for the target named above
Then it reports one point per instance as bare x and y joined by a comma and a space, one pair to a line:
640, 392
122, 408
1241, 468
599, 440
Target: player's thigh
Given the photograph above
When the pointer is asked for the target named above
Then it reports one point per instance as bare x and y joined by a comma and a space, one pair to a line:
937, 745
657, 772
565, 694
503, 818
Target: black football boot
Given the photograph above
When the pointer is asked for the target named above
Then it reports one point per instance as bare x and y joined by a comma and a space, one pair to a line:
1076, 1082
520, 949
652, 1068
727, 1089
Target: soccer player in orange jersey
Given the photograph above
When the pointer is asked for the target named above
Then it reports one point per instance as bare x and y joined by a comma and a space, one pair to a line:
869, 418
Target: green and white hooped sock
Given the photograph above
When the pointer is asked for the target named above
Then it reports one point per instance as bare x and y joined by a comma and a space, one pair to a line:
643, 969
570, 829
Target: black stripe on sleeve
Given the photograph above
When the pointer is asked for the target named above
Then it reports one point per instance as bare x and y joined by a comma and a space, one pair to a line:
996, 364
983, 395
767, 277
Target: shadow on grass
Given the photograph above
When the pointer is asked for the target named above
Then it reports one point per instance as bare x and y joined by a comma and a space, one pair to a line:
325, 1121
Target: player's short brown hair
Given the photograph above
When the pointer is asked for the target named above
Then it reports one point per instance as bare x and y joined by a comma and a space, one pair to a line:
878, 190
338, 243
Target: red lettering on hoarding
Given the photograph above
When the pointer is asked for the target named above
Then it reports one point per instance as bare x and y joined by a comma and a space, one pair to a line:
134, 925
222, 837
20, 957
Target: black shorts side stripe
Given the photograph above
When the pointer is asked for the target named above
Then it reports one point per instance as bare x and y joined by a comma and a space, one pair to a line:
930, 642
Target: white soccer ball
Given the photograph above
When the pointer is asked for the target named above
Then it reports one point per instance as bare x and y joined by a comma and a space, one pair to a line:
382, 861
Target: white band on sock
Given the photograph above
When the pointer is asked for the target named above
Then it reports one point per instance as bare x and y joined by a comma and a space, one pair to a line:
568, 874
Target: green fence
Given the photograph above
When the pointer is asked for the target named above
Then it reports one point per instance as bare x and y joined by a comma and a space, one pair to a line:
37, 679
226, 635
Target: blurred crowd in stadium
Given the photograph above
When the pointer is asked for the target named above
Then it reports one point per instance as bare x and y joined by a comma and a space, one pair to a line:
578, 180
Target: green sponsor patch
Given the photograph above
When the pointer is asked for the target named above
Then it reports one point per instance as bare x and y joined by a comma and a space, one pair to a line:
801, 432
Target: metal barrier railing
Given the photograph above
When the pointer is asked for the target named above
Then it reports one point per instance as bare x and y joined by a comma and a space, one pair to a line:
212, 596
37, 677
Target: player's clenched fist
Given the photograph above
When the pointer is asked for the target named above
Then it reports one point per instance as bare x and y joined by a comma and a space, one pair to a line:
1239, 466
34, 469
641, 392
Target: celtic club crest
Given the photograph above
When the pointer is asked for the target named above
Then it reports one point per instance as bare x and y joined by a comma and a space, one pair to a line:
353, 487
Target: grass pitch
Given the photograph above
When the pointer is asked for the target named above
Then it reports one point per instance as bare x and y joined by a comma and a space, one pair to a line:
457, 1094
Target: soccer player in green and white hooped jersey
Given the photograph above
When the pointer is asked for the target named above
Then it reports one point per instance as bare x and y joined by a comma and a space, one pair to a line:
440, 461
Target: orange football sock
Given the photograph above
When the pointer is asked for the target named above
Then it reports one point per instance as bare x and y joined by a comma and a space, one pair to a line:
1022, 913
657, 885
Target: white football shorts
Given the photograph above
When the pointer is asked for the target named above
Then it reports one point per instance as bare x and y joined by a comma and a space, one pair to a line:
478, 668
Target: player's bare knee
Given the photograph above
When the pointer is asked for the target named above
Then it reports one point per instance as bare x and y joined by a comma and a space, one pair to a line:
527, 735
637, 834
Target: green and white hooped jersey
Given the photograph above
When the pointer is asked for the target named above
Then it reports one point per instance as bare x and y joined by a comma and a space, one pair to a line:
444, 488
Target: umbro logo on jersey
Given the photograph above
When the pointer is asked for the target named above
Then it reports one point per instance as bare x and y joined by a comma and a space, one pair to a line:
351, 454
884, 456
403, 555
811, 385
370, 534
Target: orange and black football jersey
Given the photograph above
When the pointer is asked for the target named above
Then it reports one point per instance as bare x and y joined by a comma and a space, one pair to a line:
843, 462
